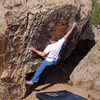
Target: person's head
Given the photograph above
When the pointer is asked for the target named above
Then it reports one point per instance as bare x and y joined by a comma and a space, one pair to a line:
53, 40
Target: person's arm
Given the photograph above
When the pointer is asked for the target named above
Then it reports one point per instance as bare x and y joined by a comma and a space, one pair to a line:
70, 31
38, 52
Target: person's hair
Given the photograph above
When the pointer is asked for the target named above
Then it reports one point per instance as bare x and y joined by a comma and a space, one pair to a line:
53, 39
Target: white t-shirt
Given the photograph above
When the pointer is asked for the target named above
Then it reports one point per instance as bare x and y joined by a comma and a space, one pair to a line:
53, 50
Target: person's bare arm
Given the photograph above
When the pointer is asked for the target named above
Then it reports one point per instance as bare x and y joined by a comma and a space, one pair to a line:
38, 52
70, 31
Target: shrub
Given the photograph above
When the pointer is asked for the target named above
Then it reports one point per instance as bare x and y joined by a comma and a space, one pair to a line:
95, 17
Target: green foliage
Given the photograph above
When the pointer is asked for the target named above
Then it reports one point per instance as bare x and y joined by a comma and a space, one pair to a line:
95, 17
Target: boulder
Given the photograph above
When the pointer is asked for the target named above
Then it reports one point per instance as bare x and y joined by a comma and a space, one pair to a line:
87, 72
31, 23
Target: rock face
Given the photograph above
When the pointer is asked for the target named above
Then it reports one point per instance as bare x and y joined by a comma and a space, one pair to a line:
31, 23
87, 73
91, 33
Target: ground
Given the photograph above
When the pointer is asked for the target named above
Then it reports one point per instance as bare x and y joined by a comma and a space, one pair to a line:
57, 87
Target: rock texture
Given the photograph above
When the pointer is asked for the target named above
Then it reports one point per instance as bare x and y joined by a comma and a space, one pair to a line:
87, 73
91, 33
25, 23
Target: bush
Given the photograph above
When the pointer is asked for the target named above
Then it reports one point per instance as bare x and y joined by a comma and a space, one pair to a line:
95, 17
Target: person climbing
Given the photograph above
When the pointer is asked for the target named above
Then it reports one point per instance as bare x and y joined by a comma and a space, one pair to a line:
52, 54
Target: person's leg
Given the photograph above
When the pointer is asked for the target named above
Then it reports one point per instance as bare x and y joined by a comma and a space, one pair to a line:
40, 69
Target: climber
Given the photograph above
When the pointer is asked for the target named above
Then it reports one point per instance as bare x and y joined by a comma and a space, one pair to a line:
51, 52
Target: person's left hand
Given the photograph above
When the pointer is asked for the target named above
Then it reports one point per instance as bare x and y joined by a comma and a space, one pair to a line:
74, 24
32, 49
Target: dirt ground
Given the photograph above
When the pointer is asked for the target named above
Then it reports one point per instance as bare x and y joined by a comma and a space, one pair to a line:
57, 87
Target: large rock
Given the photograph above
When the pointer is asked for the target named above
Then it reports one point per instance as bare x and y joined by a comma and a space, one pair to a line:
31, 23
87, 72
